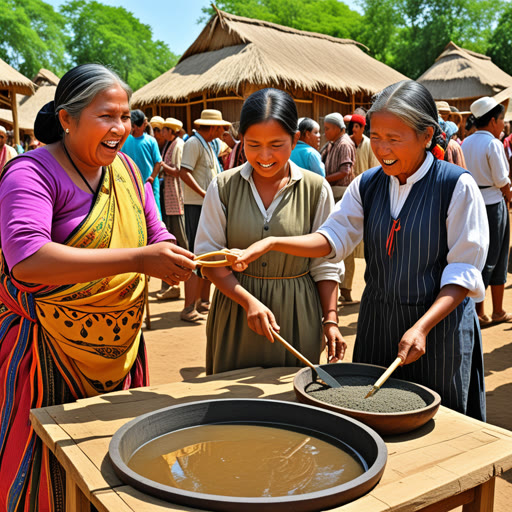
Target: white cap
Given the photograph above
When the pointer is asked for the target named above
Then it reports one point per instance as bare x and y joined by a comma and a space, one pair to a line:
483, 105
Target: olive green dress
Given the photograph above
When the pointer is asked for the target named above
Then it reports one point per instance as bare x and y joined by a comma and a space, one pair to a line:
279, 281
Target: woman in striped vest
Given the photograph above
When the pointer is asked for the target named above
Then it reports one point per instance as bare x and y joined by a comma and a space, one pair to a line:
424, 227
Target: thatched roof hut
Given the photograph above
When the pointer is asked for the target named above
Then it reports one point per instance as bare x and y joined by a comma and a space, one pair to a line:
234, 56
12, 82
461, 76
28, 106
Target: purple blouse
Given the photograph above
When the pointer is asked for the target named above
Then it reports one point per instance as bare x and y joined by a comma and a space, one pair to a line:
39, 203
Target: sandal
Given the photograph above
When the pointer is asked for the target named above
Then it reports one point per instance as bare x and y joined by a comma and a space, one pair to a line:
503, 318
189, 314
484, 321
203, 307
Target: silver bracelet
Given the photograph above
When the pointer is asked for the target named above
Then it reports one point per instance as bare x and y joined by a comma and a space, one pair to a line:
325, 322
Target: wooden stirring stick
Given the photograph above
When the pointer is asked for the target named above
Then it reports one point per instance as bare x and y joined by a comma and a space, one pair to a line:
385, 376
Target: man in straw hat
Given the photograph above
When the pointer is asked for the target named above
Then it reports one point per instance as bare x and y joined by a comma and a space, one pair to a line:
199, 165
173, 209
486, 161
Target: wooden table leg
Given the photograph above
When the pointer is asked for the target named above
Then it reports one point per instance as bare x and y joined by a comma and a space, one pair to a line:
484, 498
75, 499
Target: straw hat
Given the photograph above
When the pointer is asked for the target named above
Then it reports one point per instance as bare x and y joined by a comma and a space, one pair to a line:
157, 122
211, 117
173, 124
443, 106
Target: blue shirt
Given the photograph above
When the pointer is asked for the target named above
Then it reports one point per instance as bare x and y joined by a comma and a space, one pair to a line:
308, 158
144, 152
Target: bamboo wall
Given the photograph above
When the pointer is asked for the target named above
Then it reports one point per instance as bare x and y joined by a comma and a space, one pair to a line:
313, 104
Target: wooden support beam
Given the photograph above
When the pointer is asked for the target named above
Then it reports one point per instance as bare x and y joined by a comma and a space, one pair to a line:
315, 108
189, 119
15, 123
332, 99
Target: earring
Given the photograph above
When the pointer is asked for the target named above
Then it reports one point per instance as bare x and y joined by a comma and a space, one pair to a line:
429, 143
67, 130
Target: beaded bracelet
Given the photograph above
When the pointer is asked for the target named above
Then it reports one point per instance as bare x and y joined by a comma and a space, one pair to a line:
325, 322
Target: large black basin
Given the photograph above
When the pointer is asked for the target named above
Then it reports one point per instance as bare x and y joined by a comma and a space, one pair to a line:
329, 426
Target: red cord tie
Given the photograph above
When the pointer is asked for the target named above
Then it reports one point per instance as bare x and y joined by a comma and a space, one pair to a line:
390, 244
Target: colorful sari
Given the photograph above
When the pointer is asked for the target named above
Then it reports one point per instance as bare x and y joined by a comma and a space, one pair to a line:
62, 343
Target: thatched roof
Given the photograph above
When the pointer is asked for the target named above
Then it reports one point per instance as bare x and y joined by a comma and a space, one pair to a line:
233, 50
46, 77
14, 80
458, 73
28, 107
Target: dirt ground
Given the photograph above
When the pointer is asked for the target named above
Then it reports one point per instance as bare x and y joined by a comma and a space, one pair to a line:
176, 352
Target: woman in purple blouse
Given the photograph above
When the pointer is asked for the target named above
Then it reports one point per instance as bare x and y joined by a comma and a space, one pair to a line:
79, 233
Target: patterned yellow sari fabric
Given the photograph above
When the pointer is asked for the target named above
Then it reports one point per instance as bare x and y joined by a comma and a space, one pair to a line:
93, 329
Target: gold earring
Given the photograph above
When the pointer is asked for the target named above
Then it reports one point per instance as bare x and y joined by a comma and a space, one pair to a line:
67, 130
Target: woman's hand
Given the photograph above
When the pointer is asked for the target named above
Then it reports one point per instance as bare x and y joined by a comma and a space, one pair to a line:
168, 262
412, 345
253, 252
260, 319
335, 344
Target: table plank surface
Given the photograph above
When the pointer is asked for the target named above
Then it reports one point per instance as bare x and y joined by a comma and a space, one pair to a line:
447, 456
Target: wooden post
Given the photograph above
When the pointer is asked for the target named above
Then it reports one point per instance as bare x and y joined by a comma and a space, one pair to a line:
204, 101
189, 119
15, 124
315, 108
353, 102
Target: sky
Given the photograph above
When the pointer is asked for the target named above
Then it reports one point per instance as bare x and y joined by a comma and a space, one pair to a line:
173, 21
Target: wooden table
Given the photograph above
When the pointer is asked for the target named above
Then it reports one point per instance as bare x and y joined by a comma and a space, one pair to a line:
451, 461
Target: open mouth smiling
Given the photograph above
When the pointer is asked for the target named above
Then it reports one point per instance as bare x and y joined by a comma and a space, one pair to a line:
111, 144
389, 162
266, 166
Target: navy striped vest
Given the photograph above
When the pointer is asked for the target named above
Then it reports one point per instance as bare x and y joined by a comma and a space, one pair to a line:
412, 274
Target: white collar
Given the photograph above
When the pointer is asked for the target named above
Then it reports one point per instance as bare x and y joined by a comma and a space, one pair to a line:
295, 171
421, 172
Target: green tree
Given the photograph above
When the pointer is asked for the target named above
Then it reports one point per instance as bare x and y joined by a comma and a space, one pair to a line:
115, 37
500, 42
32, 36
324, 16
410, 34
